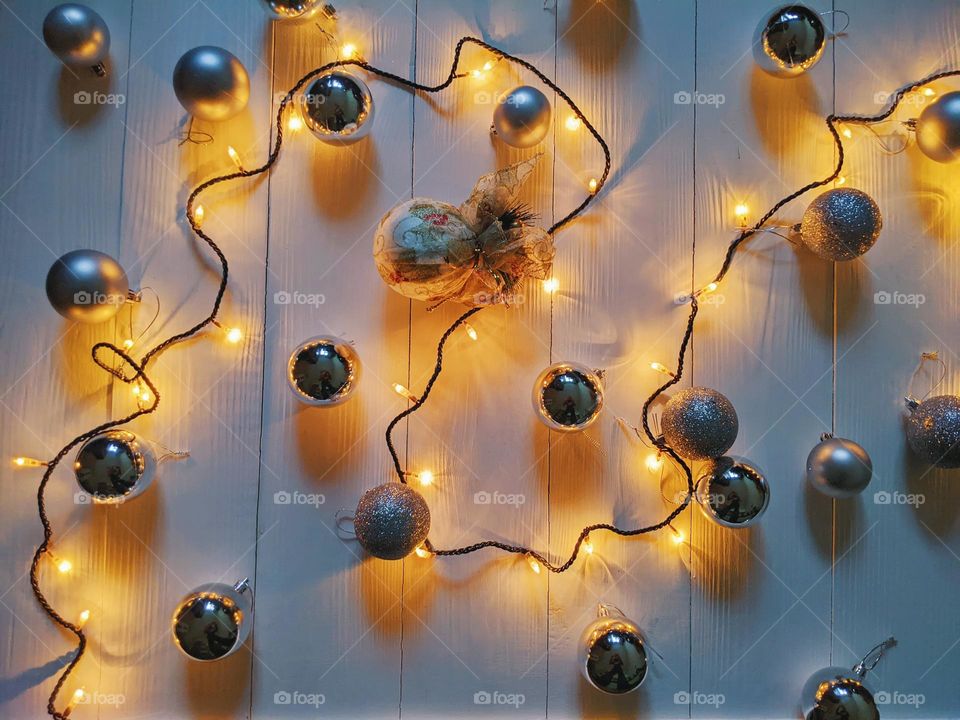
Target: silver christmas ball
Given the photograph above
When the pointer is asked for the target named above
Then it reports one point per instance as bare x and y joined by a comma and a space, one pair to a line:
568, 397
837, 693
522, 117
933, 430
841, 224
938, 129
733, 492
700, 423
214, 620
613, 654
292, 9
324, 371
77, 35
337, 107
839, 468
789, 41
211, 83
87, 285
113, 467
391, 520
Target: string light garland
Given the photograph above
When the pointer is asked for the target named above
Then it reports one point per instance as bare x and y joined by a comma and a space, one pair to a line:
149, 395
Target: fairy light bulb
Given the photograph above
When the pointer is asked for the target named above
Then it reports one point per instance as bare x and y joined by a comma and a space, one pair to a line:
847, 133
678, 536
929, 91
234, 335
587, 545
128, 343
25, 462
83, 618
79, 696
425, 477
661, 368
573, 123
841, 180
741, 210
654, 462
534, 564
422, 552
295, 123
63, 565
198, 214
348, 51
235, 156
593, 185
551, 285
403, 392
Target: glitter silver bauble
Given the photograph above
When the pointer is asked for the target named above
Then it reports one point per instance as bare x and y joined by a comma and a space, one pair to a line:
113, 467
837, 693
839, 468
87, 285
938, 129
214, 620
841, 224
324, 371
933, 430
292, 9
522, 117
613, 654
211, 83
733, 492
391, 520
789, 41
700, 423
568, 397
78, 36
337, 107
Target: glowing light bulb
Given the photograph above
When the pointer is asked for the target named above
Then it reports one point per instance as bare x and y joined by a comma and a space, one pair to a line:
84, 617
587, 546
678, 536
234, 335
348, 51
551, 285
709, 288
295, 123
654, 462
128, 343
63, 565
841, 180
28, 462
471, 332
593, 185
79, 696
235, 156
846, 133
929, 91
741, 210
573, 123
403, 392
488, 66
425, 477
422, 552
660, 368
198, 214
534, 564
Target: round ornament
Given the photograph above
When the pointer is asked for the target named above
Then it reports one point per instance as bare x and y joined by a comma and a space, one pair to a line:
391, 520
789, 41
211, 83
938, 129
522, 117
324, 371
839, 468
836, 693
733, 492
933, 430
292, 9
214, 620
87, 285
841, 224
700, 423
568, 397
614, 656
337, 107
78, 36
114, 467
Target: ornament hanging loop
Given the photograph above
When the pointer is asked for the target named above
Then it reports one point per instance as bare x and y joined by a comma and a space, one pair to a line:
870, 660
837, 33
925, 357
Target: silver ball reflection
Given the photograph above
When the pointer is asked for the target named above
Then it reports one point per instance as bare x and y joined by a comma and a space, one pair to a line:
938, 129
733, 492
292, 9
337, 107
391, 520
700, 423
933, 430
211, 83
841, 224
213, 621
789, 41
77, 35
113, 467
614, 656
839, 468
837, 692
87, 285
568, 397
522, 117
324, 371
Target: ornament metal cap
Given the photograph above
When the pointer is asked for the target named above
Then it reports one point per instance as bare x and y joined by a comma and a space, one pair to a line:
911, 402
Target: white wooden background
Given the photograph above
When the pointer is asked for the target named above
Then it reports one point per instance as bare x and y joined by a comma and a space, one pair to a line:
798, 346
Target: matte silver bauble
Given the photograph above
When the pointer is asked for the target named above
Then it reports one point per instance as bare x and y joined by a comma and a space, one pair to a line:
700, 423
733, 492
292, 9
77, 35
337, 107
568, 397
789, 41
324, 371
938, 129
87, 285
211, 83
214, 620
391, 520
836, 693
522, 117
839, 468
113, 467
841, 224
933, 430
613, 653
